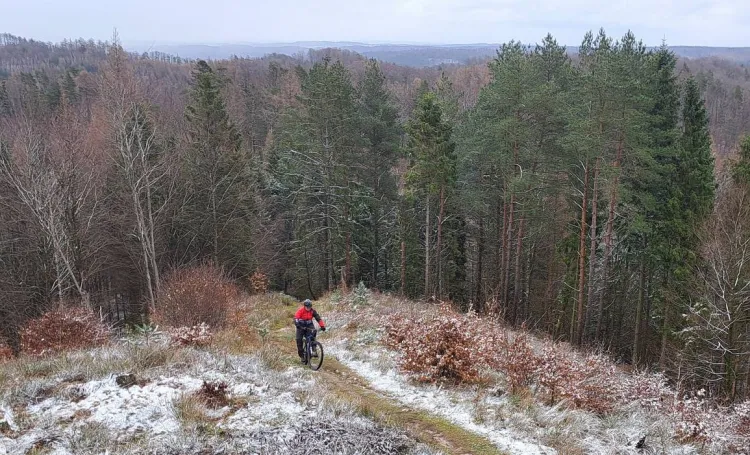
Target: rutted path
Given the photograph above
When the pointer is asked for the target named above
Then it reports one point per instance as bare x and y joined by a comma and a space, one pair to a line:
429, 429
424, 427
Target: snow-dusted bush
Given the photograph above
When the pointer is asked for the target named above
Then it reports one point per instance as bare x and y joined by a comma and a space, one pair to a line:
61, 330
197, 335
649, 389
517, 361
742, 411
591, 385
691, 413
189, 297
361, 296
442, 347
556, 372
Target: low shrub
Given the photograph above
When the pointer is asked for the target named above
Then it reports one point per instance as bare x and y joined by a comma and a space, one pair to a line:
259, 282
6, 353
518, 361
189, 297
448, 346
214, 394
742, 411
556, 372
691, 417
591, 385
649, 389
62, 329
437, 349
197, 335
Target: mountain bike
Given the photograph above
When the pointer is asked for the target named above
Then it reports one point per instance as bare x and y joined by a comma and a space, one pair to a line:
313, 351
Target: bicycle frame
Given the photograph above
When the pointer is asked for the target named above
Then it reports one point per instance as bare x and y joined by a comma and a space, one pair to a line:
310, 335
310, 345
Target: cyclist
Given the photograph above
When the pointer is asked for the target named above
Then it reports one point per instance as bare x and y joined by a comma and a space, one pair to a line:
303, 320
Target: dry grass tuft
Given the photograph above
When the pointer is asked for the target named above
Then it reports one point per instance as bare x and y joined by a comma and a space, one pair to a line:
90, 438
189, 410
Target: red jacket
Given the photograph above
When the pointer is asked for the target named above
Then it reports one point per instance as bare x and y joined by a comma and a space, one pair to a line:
303, 317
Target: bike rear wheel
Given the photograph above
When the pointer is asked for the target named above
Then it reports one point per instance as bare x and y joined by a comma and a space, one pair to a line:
315, 362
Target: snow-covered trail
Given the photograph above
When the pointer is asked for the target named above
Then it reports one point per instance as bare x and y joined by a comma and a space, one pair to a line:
455, 407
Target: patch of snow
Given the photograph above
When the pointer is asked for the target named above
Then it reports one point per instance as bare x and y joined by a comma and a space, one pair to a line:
269, 411
129, 410
7, 414
148, 409
453, 406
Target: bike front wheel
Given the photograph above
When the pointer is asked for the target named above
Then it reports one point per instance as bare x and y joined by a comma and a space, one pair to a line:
305, 353
316, 356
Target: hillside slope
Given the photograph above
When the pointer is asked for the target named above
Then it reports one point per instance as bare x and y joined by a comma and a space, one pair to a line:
361, 401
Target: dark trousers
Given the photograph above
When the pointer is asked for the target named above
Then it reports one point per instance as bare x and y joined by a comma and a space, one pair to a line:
300, 334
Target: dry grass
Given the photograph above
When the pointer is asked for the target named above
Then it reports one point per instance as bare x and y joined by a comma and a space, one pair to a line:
189, 409
274, 358
251, 322
261, 325
236, 341
564, 442
90, 438
29, 379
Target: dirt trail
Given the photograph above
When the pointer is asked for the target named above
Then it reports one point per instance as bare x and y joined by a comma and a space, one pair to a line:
424, 427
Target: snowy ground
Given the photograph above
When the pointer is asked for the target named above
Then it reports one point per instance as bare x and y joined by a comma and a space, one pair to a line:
272, 413
457, 407
72, 404
517, 425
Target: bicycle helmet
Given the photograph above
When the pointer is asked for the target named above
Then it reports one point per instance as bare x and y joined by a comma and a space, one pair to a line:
307, 303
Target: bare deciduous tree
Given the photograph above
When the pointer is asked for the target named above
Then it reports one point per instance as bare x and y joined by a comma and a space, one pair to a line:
58, 186
133, 145
719, 328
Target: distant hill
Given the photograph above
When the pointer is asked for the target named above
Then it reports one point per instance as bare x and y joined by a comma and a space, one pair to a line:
402, 54
735, 54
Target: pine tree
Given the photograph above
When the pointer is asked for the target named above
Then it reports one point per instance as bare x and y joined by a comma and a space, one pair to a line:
448, 98
379, 124
433, 173
697, 162
690, 199
317, 162
611, 129
70, 88
741, 169
216, 218
5, 108
647, 182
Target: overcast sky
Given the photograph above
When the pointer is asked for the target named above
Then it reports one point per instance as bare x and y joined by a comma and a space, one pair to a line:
681, 22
